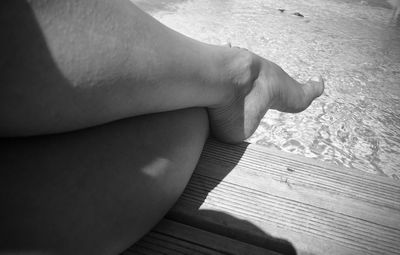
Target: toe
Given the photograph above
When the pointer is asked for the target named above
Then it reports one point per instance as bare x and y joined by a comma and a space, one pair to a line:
314, 87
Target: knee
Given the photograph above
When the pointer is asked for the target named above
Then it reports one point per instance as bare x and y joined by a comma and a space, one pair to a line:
188, 130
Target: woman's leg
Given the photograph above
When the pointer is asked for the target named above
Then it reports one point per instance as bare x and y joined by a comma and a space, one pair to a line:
72, 64
96, 191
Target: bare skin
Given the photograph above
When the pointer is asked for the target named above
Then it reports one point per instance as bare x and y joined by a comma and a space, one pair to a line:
98, 190
265, 86
67, 65
87, 63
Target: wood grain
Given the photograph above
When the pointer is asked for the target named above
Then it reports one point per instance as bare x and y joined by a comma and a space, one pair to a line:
170, 237
292, 205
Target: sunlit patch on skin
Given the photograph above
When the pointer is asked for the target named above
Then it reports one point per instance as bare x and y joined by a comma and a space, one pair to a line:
156, 168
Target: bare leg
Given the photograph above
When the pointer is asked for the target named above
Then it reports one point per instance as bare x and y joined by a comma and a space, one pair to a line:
96, 191
71, 64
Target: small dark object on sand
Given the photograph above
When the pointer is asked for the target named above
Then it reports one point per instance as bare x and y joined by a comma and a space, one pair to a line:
298, 14
290, 169
281, 10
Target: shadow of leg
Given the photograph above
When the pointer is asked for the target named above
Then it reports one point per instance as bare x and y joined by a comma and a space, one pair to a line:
216, 163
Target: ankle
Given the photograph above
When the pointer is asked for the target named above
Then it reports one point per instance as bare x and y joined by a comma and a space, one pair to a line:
240, 70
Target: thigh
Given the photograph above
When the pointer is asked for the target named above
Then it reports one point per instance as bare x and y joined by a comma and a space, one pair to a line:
96, 191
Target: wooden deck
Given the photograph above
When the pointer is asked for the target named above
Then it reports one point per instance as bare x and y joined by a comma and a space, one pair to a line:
247, 199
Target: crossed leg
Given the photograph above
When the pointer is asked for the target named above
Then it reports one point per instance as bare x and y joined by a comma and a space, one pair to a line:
71, 65
96, 191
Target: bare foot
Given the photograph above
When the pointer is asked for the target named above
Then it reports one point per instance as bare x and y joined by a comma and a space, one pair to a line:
259, 85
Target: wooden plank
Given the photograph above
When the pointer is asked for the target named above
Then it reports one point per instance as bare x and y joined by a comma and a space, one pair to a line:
173, 238
290, 204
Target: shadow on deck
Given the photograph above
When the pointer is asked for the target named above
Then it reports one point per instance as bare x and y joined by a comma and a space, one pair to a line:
247, 199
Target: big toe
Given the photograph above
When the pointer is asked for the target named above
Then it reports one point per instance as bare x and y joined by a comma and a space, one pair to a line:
314, 88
